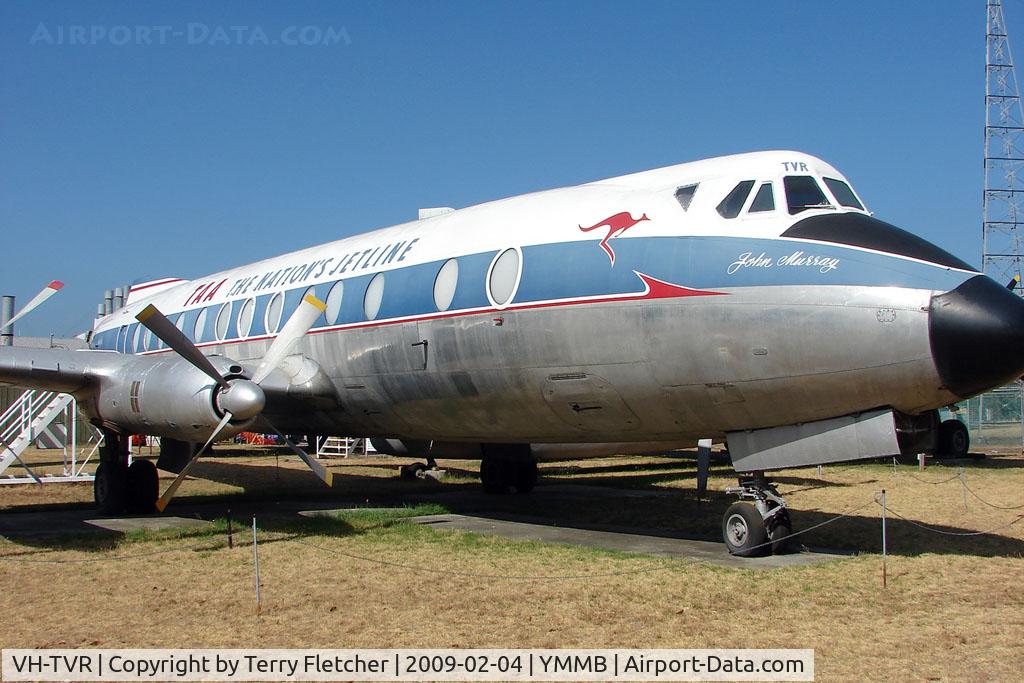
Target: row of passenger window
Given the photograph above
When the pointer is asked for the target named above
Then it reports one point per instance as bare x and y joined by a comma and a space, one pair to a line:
501, 282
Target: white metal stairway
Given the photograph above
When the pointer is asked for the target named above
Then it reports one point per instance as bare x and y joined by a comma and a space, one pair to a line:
343, 447
25, 421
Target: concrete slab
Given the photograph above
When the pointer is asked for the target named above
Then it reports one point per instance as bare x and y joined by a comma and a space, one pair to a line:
123, 525
711, 552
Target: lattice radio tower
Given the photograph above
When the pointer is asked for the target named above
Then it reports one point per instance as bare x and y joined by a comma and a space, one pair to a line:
1004, 155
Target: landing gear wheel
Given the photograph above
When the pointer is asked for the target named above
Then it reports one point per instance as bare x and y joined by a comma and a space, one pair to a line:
412, 472
780, 532
954, 439
494, 475
109, 488
525, 475
743, 530
143, 487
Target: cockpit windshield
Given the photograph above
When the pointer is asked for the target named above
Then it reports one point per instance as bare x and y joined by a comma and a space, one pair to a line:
734, 201
803, 192
843, 194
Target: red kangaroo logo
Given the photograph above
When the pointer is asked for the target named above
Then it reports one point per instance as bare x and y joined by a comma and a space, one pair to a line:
617, 224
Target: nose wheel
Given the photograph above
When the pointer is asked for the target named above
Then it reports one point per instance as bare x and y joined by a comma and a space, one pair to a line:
758, 523
742, 529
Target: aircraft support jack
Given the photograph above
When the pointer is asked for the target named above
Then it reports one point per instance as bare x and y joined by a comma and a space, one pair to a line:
759, 522
419, 470
508, 466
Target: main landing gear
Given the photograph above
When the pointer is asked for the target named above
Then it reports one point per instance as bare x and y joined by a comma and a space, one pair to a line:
954, 439
119, 487
508, 466
757, 523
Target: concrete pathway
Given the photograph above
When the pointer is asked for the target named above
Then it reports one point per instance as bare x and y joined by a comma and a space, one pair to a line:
635, 541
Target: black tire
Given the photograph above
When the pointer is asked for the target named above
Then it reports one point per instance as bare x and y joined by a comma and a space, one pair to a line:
525, 475
780, 534
494, 475
743, 530
109, 488
143, 487
954, 439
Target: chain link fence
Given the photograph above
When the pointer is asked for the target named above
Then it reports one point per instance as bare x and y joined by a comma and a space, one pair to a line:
995, 418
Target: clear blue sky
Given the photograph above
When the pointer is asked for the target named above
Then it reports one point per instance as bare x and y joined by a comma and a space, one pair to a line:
123, 162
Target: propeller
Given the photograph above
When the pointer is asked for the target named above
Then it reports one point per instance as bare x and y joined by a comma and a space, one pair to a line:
319, 470
169, 334
241, 399
48, 291
1014, 282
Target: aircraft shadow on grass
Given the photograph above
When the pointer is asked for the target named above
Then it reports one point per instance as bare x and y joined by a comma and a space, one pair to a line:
633, 499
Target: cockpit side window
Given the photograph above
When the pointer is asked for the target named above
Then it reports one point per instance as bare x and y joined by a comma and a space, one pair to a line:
843, 194
803, 192
764, 200
684, 195
733, 202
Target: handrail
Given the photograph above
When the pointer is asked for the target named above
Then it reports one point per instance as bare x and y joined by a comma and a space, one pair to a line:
20, 415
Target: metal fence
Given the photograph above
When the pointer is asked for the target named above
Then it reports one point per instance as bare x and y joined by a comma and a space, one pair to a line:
995, 418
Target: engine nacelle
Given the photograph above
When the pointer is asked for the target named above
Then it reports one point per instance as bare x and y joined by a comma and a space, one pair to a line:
169, 397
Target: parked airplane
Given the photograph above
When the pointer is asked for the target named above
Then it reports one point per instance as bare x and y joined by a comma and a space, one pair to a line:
750, 298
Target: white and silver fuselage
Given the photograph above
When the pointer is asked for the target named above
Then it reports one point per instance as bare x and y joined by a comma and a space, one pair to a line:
601, 313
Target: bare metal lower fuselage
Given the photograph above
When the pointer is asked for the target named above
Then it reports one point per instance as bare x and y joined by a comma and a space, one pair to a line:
665, 372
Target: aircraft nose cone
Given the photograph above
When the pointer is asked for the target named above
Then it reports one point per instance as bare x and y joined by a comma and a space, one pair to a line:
976, 333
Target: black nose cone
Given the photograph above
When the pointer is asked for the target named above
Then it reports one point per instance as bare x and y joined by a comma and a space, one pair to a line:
977, 336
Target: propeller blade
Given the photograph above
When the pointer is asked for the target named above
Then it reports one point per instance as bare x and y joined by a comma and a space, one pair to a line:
162, 502
1012, 284
319, 470
165, 330
296, 328
48, 291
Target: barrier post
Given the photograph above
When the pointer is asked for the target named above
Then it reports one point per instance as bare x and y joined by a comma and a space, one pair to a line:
256, 563
884, 550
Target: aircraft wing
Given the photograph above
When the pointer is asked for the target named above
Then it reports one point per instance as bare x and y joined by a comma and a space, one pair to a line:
68, 372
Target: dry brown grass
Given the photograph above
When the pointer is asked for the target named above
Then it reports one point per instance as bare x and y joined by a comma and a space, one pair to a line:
952, 609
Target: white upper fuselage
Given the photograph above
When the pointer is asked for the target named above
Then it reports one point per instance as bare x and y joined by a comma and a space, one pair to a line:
551, 216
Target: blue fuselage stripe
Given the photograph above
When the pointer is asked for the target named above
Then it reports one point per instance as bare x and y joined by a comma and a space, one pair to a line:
573, 270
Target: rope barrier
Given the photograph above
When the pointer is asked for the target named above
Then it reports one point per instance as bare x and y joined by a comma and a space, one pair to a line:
208, 544
931, 483
88, 560
953, 533
476, 575
398, 565
991, 505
